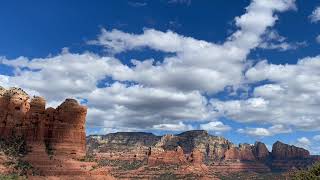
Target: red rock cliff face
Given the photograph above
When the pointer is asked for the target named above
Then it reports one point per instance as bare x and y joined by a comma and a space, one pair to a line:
62, 129
260, 151
287, 152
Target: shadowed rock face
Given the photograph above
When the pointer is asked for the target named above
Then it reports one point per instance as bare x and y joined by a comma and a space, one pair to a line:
260, 151
282, 151
63, 129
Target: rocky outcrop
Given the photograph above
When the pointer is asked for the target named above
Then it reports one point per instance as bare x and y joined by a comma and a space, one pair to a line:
197, 148
260, 151
67, 131
61, 129
54, 138
287, 157
282, 151
158, 156
196, 157
122, 141
213, 147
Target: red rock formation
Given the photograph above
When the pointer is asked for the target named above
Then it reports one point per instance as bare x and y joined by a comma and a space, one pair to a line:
286, 157
243, 152
68, 128
60, 131
232, 154
14, 105
287, 152
246, 153
62, 128
196, 157
157, 156
260, 151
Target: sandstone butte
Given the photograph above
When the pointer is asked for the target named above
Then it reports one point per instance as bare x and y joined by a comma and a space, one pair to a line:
60, 131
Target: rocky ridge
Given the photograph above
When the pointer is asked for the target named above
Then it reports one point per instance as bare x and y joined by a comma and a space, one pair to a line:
210, 152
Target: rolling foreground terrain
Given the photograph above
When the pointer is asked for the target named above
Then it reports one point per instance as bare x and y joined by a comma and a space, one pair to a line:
47, 143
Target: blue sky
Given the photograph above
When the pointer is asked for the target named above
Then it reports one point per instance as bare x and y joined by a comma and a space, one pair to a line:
240, 69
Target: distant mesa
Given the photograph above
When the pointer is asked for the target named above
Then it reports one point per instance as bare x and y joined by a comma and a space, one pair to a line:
201, 148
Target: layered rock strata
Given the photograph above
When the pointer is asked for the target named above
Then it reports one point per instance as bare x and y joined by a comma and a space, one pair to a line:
198, 148
61, 130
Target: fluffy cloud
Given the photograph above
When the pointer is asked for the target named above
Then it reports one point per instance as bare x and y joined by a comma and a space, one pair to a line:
173, 127
216, 126
161, 94
65, 75
197, 64
141, 107
292, 98
315, 16
261, 132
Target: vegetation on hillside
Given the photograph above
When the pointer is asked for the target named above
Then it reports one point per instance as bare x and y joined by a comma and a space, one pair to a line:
14, 149
309, 174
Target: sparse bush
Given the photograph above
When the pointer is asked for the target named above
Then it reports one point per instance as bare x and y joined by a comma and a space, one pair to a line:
131, 165
23, 167
88, 158
12, 177
49, 149
310, 174
167, 176
13, 147
121, 164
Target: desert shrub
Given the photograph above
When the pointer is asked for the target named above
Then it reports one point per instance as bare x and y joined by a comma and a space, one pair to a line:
23, 167
49, 149
131, 165
309, 174
89, 157
14, 146
167, 176
12, 177
121, 164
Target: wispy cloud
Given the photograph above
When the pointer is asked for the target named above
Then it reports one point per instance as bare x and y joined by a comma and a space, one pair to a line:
137, 4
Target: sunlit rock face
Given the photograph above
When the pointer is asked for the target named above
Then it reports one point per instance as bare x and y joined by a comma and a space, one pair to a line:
212, 147
197, 148
62, 129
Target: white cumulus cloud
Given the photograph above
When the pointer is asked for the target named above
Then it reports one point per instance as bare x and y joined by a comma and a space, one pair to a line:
315, 16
